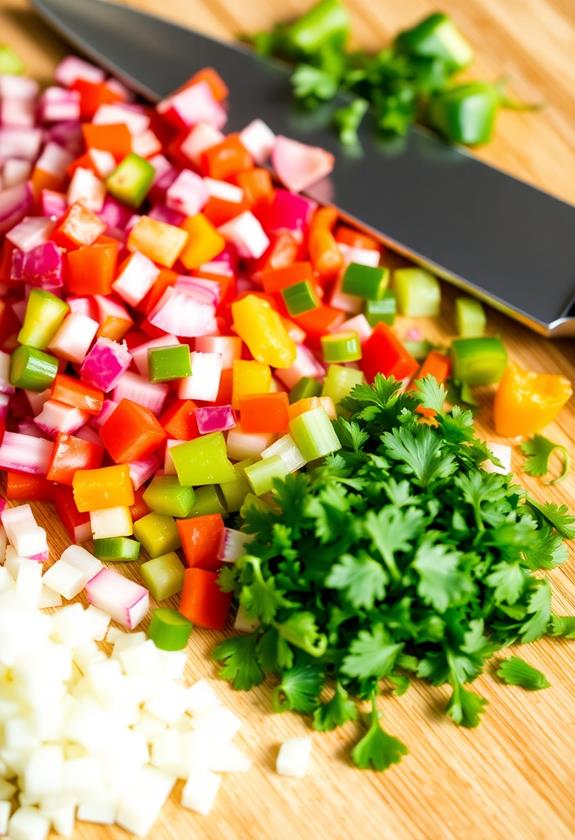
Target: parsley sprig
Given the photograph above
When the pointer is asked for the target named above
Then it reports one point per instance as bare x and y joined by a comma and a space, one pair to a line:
398, 557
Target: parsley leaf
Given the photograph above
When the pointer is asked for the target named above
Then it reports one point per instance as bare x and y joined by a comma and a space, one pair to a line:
335, 712
538, 451
360, 579
377, 749
420, 451
562, 625
301, 630
441, 582
430, 393
259, 597
558, 516
371, 654
392, 531
240, 665
299, 688
465, 707
516, 671
508, 580
539, 608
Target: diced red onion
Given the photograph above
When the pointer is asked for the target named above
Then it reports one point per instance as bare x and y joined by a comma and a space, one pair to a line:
20, 142
72, 68
114, 213
54, 160
30, 232
359, 325
53, 203
108, 408
198, 139
289, 212
15, 203
247, 234
141, 471
201, 289
305, 364
86, 188
135, 279
124, 600
351, 304
259, 140
192, 105
18, 87
15, 171
146, 144
6, 386
214, 418
58, 104
223, 190
42, 266
234, 545
104, 162
187, 193
56, 416
17, 113
132, 116
229, 347
204, 383
107, 307
36, 399
298, 165
105, 364
165, 214
68, 135
25, 453
181, 314
134, 387
73, 338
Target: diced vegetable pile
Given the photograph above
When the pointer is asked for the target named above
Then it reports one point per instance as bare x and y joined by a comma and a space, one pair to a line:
179, 333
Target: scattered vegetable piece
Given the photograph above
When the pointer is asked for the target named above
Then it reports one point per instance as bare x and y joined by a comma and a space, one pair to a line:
515, 671
526, 401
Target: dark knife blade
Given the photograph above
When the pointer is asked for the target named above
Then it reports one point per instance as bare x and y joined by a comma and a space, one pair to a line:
489, 233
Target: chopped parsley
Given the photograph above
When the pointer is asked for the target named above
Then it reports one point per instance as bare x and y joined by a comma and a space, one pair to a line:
538, 451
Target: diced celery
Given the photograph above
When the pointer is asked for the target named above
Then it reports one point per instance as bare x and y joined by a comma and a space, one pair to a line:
131, 180
203, 460
306, 387
169, 630
418, 292
166, 495
313, 434
339, 382
470, 317
384, 309
157, 533
261, 474
111, 549
207, 500
341, 347
44, 314
163, 575
300, 297
10, 63
253, 501
167, 363
234, 492
478, 361
32, 369
365, 281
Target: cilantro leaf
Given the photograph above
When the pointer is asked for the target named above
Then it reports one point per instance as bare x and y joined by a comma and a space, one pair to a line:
377, 749
556, 515
441, 582
273, 652
260, 598
430, 393
539, 608
360, 579
393, 530
335, 712
508, 580
562, 625
538, 451
313, 83
299, 688
421, 453
371, 654
240, 665
515, 671
301, 630
348, 119
465, 707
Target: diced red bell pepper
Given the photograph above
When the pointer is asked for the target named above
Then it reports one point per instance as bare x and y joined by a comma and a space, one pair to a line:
226, 158
71, 391
91, 270
319, 321
202, 538
179, 420
218, 211
131, 432
203, 602
73, 521
276, 279
30, 488
139, 508
94, 94
9, 323
70, 454
384, 353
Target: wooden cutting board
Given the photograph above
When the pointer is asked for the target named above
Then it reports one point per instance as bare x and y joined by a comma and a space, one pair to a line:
512, 778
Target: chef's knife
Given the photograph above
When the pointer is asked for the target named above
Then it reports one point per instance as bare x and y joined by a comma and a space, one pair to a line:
488, 233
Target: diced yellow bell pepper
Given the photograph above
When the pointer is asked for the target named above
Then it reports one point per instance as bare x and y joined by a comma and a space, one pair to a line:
249, 378
261, 328
159, 241
204, 242
526, 401
106, 487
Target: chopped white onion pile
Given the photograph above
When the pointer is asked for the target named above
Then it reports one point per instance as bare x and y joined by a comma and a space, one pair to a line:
89, 735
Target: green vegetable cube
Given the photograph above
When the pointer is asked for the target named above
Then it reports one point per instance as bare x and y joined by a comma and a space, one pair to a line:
383, 310
306, 387
167, 363
418, 292
112, 549
339, 382
32, 369
166, 495
163, 575
169, 630
234, 492
203, 461
300, 297
157, 533
478, 361
131, 180
313, 434
341, 347
262, 473
470, 317
10, 63
208, 500
365, 281
44, 314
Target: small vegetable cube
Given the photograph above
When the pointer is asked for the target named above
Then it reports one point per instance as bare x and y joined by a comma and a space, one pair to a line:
167, 363
365, 281
131, 180
418, 292
293, 757
203, 602
159, 241
102, 488
202, 461
166, 495
249, 377
111, 522
163, 575
157, 533
202, 541
169, 630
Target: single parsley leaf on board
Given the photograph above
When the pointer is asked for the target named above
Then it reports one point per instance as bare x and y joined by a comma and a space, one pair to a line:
516, 671
430, 393
420, 452
301, 630
538, 451
335, 712
562, 625
507, 580
299, 688
377, 749
240, 664
465, 707
441, 583
371, 654
360, 579
558, 516
539, 608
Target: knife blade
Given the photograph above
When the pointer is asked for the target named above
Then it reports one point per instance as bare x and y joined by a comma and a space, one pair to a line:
496, 237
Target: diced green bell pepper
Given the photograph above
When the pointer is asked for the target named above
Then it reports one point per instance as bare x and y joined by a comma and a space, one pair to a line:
208, 500
436, 36
234, 492
300, 297
465, 113
10, 63
112, 549
306, 387
167, 363
365, 281
166, 495
478, 361
326, 23
203, 460
131, 180
470, 317
157, 533
418, 292
339, 382
32, 369
341, 347
44, 314
384, 309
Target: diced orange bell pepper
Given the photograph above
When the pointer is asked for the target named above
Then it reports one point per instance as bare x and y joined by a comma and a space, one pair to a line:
309, 403
164, 280
204, 242
114, 138
103, 488
179, 421
225, 391
217, 85
159, 241
131, 432
202, 538
262, 413
79, 226
527, 401
91, 269
319, 321
352, 237
71, 454
324, 253
72, 391
226, 158
218, 211
257, 185
203, 602
42, 180
30, 488
276, 279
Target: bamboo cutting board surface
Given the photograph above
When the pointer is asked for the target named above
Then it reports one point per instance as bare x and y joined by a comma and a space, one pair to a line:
512, 777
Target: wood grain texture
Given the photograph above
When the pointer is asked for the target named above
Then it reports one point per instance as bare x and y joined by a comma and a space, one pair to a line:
512, 778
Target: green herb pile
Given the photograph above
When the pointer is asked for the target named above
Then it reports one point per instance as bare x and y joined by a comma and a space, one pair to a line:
398, 557
411, 80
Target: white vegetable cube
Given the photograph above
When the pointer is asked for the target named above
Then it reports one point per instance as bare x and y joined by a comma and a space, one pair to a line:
287, 450
98, 808
12, 562
29, 542
241, 445
200, 791
74, 336
124, 600
111, 522
174, 663
87, 189
141, 803
204, 382
5, 808
81, 776
62, 814
247, 234
44, 771
136, 278
29, 581
64, 579
167, 750
169, 702
81, 559
202, 698
228, 758
218, 723
293, 757
258, 139
503, 453
187, 193
28, 824
98, 622
48, 598
7, 790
